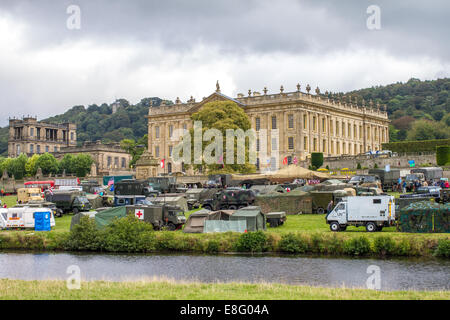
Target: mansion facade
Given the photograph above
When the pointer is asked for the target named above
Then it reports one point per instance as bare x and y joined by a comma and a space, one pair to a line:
303, 123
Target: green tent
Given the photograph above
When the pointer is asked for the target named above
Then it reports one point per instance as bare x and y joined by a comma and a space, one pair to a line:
105, 217
293, 202
256, 220
425, 216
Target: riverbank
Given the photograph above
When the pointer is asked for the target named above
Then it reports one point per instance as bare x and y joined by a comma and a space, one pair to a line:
154, 289
301, 234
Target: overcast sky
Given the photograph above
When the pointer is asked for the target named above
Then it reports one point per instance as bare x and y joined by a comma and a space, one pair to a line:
142, 48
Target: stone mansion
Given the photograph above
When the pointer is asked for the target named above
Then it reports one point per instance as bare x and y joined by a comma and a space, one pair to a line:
304, 122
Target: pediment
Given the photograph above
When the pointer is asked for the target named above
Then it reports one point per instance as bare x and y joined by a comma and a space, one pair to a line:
215, 96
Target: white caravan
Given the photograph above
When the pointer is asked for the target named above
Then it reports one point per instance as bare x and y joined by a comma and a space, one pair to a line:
373, 212
24, 217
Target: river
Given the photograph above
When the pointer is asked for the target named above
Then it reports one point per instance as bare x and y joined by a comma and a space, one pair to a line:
395, 274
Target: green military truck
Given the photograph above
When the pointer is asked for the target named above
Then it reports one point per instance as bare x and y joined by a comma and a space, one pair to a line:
163, 184
275, 219
160, 216
388, 178
132, 187
69, 201
229, 199
195, 196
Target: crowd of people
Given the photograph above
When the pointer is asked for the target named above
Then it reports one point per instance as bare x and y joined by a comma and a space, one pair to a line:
402, 185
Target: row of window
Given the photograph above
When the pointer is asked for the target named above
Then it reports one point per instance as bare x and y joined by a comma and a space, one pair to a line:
157, 130
335, 126
116, 162
346, 147
51, 133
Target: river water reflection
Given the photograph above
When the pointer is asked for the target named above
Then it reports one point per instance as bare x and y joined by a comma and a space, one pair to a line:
396, 274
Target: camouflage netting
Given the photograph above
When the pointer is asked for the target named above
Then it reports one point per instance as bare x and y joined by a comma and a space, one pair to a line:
424, 216
293, 202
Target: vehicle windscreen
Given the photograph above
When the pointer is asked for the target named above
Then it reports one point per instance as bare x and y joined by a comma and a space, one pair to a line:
355, 178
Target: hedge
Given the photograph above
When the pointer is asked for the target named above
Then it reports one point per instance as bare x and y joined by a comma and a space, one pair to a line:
415, 146
442, 155
317, 159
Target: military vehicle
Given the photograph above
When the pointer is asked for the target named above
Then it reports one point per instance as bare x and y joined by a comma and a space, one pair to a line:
275, 219
229, 199
120, 201
388, 178
26, 194
163, 184
195, 196
219, 180
373, 212
365, 178
69, 201
132, 187
444, 196
90, 186
430, 173
160, 216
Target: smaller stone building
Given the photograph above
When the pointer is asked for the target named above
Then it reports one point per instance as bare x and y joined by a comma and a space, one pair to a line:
109, 158
29, 136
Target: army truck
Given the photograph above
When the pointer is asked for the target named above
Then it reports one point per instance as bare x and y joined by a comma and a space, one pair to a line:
444, 195
163, 184
195, 196
229, 199
69, 201
26, 194
132, 187
430, 173
160, 216
388, 178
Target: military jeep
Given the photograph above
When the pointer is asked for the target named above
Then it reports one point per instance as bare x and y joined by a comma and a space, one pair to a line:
229, 199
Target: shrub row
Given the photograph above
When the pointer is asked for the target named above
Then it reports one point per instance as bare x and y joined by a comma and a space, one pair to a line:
442, 155
415, 146
130, 235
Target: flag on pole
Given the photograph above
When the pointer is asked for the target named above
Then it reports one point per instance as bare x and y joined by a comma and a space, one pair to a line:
285, 160
295, 160
162, 163
111, 181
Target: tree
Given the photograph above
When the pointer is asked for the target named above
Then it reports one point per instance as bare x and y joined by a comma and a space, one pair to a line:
82, 165
222, 116
30, 166
135, 148
67, 163
48, 164
442, 155
316, 159
427, 130
16, 166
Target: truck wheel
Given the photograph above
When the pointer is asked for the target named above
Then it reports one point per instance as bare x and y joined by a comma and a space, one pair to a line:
207, 207
171, 227
320, 210
232, 207
371, 227
242, 206
335, 227
75, 210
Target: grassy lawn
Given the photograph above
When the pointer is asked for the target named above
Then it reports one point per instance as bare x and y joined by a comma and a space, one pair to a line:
180, 290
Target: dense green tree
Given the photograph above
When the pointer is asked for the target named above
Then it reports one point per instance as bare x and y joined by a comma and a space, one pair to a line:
16, 166
427, 130
31, 165
48, 164
67, 164
82, 164
135, 148
222, 115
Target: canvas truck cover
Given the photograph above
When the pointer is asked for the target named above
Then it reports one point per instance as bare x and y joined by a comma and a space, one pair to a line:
225, 226
256, 220
105, 217
293, 202
77, 217
266, 188
179, 201
95, 200
196, 221
425, 217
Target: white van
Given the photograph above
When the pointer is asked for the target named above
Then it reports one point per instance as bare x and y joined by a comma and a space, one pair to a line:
24, 217
373, 212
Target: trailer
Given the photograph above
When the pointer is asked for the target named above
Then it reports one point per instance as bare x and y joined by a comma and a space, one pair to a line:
373, 212
23, 218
